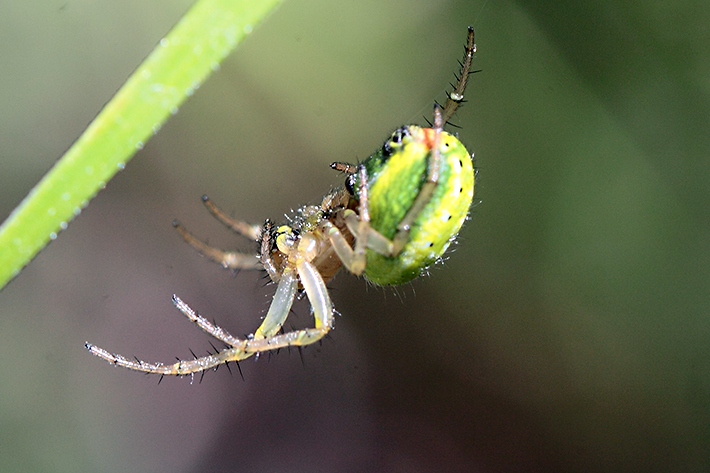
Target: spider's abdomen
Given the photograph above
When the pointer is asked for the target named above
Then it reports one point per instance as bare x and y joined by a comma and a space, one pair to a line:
396, 174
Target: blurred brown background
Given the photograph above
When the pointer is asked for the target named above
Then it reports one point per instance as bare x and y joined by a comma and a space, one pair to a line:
569, 331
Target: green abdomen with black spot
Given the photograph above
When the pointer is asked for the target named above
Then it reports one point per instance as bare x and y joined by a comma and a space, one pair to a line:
395, 181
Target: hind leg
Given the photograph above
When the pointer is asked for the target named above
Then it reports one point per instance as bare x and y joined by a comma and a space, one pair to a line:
226, 259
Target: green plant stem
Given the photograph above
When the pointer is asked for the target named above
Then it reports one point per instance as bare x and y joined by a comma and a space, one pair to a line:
177, 66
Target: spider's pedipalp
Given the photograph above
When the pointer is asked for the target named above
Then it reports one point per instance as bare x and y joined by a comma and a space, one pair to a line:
280, 306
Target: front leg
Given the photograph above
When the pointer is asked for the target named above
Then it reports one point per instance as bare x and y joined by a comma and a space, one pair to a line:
237, 349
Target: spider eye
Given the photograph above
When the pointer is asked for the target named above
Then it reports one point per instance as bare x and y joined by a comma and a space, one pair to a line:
399, 135
395, 141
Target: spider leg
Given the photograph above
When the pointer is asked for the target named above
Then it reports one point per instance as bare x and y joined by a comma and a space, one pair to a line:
440, 119
280, 306
322, 312
275, 317
226, 259
344, 167
237, 349
179, 368
426, 191
455, 97
363, 227
359, 224
340, 245
215, 330
238, 226
266, 244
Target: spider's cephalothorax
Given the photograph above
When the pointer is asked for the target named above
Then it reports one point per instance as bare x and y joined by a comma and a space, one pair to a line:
397, 214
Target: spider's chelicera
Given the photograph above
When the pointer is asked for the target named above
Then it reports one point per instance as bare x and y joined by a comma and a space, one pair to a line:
396, 215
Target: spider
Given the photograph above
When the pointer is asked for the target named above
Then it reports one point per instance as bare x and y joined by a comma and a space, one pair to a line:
396, 215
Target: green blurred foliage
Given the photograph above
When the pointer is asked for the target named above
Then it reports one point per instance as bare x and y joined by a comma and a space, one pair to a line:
569, 330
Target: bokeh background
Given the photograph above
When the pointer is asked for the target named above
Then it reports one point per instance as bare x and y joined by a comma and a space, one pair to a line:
568, 331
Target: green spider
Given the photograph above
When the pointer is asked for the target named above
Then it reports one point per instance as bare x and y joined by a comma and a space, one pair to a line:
399, 211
